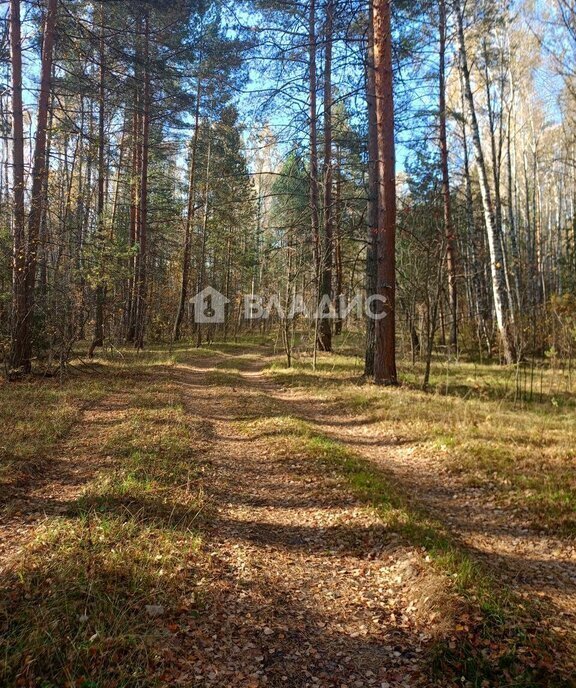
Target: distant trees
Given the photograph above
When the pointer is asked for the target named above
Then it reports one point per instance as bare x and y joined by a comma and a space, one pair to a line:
96, 219
217, 65
20, 331
155, 168
451, 266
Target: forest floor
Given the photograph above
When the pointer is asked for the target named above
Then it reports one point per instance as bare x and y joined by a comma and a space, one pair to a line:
210, 518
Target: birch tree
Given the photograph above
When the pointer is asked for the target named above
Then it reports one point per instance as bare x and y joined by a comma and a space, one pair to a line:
497, 265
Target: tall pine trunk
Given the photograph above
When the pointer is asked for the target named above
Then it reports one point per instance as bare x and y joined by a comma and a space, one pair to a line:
22, 343
385, 351
325, 325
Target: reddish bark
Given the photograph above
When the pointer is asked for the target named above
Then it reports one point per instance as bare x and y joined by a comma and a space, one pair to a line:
385, 349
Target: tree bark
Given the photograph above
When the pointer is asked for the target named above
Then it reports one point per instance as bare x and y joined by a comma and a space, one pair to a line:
325, 327
448, 225
499, 292
385, 350
477, 284
22, 348
495, 122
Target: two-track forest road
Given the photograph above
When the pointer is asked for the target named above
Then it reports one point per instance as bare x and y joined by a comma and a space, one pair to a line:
306, 587
298, 580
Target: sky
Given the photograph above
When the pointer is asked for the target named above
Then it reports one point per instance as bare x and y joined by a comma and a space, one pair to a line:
286, 114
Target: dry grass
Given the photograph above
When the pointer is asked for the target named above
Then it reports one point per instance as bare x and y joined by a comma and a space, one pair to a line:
474, 424
90, 600
34, 416
79, 606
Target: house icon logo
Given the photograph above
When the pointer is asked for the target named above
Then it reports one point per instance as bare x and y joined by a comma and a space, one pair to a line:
209, 306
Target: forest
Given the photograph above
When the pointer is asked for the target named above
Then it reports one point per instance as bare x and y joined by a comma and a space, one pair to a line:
287, 334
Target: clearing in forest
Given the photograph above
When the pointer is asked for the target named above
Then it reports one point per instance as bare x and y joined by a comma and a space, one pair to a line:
209, 518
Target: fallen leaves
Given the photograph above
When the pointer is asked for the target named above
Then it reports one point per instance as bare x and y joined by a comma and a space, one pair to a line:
299, 583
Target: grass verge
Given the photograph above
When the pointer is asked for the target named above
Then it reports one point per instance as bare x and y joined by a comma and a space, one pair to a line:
94, 600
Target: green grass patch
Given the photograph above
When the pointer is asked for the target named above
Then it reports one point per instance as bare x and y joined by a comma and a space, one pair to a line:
36, 415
